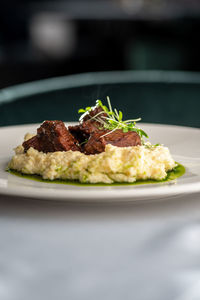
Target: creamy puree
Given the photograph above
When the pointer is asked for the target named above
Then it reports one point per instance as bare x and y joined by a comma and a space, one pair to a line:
116, 164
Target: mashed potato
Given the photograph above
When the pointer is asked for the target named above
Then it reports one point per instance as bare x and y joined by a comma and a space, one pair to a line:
116, 164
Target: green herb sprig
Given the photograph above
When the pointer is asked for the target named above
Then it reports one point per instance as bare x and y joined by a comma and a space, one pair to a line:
113, 119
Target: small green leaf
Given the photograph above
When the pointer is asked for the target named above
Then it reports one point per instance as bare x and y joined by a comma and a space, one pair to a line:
120, 115
98, 102
81, 110
143, 133
125, 129
86, 140
105, 109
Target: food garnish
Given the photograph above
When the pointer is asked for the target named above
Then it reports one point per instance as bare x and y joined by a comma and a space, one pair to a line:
102, 148
113, 120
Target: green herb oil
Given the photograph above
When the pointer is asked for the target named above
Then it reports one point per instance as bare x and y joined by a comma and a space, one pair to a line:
178, 171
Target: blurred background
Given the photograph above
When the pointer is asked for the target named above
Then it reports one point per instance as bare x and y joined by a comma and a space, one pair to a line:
46, 38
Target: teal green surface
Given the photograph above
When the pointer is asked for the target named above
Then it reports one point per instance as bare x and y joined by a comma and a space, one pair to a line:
156, 96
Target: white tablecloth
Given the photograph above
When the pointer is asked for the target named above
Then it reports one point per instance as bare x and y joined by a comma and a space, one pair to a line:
55, 250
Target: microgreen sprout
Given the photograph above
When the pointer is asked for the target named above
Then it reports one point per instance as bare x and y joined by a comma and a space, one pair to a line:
84, 142
148, 145
112, 119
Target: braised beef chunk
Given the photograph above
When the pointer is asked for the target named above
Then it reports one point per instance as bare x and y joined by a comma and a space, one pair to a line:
88, 125
82, 132
78, 133
97, 111
91, 131
52, 136
33, 142
89, 136
97, 141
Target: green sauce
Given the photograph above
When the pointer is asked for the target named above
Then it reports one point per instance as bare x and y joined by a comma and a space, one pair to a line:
178, 171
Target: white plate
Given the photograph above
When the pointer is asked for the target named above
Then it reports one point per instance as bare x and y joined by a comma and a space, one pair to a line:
183, 142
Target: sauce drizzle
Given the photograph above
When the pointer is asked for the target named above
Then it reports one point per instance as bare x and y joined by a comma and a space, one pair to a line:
178, 171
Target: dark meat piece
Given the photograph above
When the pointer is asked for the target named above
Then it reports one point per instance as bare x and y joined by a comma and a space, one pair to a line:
97, 143
97, 111
88, 125
33, 142
82, 132
52, 136
78, 133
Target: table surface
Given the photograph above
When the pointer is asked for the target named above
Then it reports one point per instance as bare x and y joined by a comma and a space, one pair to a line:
141, 251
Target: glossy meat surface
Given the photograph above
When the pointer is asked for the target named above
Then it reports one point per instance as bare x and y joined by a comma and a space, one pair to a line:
89, 136
52, 136
88, 125
98, 140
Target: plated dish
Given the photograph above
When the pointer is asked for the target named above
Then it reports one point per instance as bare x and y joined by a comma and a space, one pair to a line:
184, 150
101, 148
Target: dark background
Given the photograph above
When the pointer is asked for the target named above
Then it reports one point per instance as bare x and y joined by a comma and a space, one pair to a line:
41, 39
